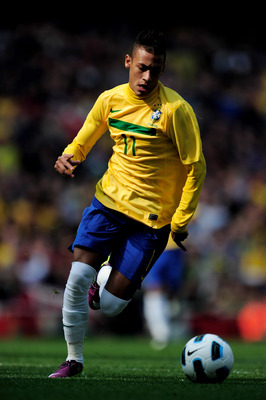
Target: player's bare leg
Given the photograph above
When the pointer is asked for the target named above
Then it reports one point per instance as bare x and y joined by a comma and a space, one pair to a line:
116, 294
120, 286
89, 257
111, 291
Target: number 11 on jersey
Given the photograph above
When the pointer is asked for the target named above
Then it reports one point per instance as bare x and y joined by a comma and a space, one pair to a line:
126, 144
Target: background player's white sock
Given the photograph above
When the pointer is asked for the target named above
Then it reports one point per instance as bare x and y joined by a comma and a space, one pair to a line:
155, 308
75, 308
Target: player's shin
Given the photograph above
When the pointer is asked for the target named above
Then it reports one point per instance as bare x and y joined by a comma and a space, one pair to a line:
75, 308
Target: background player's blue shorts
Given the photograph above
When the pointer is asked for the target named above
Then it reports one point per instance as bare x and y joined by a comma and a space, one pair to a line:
167, 272
133, 246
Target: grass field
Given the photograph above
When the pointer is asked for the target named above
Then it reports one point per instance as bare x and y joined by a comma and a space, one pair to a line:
123, 368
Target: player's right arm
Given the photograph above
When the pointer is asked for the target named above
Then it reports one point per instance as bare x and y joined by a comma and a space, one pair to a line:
65, 165
93, 128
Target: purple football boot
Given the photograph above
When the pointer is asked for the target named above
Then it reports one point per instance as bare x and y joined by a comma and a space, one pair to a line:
67, 369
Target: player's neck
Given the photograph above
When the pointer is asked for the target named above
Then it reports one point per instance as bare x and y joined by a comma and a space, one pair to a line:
133, 98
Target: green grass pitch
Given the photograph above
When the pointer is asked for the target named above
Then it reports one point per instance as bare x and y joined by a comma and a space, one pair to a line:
123, 368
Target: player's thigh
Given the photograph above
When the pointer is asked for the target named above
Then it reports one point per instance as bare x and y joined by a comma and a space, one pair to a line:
137, 252
97, 234
86, 256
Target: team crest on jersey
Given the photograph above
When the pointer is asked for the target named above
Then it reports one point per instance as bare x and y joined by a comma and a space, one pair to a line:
156, 115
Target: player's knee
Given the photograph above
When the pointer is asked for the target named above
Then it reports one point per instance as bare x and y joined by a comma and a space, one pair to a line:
80, 275
112, 305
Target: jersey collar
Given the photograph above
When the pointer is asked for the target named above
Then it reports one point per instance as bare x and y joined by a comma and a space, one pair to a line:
134, 99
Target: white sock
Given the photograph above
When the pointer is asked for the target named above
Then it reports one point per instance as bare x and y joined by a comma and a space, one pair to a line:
75, 352
155, 308
75, 308
112, 305
103, 276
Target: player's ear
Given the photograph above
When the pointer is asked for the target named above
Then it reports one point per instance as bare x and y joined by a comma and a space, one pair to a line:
127, 61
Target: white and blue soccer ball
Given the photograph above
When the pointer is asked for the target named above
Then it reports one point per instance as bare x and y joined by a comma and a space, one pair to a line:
207, 358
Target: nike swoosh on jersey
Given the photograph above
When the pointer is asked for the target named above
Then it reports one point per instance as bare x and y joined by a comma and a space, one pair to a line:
114, 111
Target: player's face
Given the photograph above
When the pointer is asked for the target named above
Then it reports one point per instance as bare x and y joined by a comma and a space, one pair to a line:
145, 70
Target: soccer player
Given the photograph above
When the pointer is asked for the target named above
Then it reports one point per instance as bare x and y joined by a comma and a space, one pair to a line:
151, 187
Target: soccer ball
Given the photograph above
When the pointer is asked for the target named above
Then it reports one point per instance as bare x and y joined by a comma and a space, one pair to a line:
207, 358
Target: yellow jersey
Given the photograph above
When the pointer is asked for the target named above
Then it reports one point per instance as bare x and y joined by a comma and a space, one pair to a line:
157, 168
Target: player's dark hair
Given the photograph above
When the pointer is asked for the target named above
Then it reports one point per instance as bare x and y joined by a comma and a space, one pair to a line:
152, 41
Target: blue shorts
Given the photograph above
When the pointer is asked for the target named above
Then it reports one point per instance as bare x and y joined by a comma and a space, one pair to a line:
133, 247
167, 272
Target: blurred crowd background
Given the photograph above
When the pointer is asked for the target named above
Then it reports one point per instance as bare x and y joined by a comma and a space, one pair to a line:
49, 79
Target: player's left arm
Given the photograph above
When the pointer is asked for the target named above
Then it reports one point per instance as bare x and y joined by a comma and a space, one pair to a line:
186, 136
190, 196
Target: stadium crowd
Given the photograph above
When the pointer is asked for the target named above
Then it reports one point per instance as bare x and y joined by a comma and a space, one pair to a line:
49, 80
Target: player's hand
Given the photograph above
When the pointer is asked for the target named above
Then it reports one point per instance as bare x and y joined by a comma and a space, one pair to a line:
178, 238
65, 166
